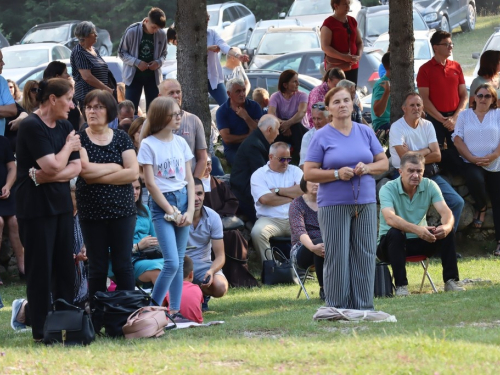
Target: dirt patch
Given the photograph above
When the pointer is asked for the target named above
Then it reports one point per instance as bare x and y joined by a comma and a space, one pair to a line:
493, 324
230, 363
270, 334
346, 330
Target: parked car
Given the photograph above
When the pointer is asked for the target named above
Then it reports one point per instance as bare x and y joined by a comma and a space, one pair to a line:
374, 21
171, 61
280, 40
448, 14
3, 41
114, 63
312, 13
64, 32
233, 21
493, 43
311, 63
22, 58
261, 28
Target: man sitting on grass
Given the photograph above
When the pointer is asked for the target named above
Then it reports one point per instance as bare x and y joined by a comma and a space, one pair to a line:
403, 231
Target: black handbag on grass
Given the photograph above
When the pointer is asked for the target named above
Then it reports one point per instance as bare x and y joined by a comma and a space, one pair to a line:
152, 252
69, 325
276, 271
112, 309
383, 281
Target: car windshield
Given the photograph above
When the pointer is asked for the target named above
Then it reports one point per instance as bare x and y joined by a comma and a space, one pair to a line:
56, 34
214, 18
379, 24
308, 7
422, 49
25, 58
494, 44
280, 43
255, 38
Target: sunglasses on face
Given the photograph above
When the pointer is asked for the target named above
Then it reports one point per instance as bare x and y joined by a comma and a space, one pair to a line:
282, 160
486, 96
321, 107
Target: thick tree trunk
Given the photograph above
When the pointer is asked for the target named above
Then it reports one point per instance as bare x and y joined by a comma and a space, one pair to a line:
191, 27
401, 48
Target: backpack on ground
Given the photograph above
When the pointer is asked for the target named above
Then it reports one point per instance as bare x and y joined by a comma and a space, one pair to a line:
149, 321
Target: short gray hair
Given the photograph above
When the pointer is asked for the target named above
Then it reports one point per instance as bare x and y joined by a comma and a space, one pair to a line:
126, 104
268, 120
234, 81
276, 145
83, 29
346, 83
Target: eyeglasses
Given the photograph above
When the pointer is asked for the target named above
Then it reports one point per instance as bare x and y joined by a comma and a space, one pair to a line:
178, 114
34, 90
319, 106
486, 96
448, 45
95, 108
282, 160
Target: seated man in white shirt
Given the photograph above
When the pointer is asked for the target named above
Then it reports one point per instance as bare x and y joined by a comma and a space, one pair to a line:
274, 186
205, 234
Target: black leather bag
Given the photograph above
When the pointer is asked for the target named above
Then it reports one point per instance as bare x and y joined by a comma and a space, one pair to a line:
152, 252
383, 281
68, 324
431, 170
112, 309
276, 271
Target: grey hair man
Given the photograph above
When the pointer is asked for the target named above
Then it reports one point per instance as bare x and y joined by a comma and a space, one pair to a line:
191, 128
236, 118
320, 116
273, 188
252, 154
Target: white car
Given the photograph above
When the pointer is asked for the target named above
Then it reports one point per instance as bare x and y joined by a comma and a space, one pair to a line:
22, 58
234, 22
312, 13
493, 43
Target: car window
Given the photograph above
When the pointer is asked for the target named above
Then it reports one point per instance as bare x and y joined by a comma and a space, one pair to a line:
65, 53
56, 34
304, 89
421, 48
494, 44
255, 38
25, 58
243, 11
214, 18
56, 55
292, 62
37, 76
281, 43
227, 16
312, 64
272, 85
379, 24
418, 22
304, 8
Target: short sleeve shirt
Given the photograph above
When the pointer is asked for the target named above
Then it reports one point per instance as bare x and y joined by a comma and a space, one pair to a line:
168, 160
81, 59
413, 211
209, 228
334, 150
105, 201
378, 92
287, 108
341, 40
192, 131
34, 141
5, 99
442, 82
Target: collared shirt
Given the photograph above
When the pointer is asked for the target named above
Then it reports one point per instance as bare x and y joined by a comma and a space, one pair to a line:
214, 68
209, 228
481, 138
442, 82
5, 99
264, 179
412, 210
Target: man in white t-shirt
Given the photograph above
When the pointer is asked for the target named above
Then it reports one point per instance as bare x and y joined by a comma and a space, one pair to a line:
274, 186
234, 69
413, 133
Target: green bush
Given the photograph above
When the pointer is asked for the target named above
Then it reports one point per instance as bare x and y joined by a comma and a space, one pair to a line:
487, 7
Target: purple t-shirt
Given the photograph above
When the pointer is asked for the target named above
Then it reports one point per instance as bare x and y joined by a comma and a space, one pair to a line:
334, 150
287, 108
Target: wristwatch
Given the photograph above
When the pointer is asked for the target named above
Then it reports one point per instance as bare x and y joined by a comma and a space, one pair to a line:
336, 174
277, 191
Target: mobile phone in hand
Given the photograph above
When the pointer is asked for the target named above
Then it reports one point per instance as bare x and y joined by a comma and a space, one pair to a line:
206, 281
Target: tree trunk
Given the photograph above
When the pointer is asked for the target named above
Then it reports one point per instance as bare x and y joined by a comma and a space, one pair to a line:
191, 27
401, 48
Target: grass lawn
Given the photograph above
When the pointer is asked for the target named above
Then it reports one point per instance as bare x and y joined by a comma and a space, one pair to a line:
467, 43
268, 330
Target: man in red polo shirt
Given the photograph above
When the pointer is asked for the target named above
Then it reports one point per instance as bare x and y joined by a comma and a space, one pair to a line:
441, 85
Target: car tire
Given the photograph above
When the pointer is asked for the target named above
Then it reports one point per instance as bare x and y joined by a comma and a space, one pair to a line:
470, 23
103, 51
445, 25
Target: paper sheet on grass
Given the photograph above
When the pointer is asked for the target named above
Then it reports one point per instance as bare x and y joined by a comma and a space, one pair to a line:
351, 315
194, 324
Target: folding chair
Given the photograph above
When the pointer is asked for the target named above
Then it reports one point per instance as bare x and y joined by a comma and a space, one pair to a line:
424, 261
302, 279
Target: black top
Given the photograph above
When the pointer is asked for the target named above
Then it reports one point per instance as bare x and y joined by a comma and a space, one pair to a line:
10, 134
6, 156
252, 154
35, 140
74, 116
81, 59
98, 201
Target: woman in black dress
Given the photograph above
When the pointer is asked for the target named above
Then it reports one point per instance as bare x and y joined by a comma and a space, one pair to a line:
47, 158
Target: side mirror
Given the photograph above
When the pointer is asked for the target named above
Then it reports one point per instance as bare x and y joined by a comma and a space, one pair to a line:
282, 15
225, 24
476, 55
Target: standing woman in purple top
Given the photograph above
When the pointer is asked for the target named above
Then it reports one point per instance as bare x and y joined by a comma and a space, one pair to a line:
342, 157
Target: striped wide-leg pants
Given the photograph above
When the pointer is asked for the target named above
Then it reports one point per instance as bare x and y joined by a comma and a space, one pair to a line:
350, 248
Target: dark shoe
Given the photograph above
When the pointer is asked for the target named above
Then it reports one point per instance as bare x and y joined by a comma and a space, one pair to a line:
322, 294
22, 276
204, 305
178, 318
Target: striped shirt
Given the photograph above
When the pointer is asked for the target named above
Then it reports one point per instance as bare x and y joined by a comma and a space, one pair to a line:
82, 59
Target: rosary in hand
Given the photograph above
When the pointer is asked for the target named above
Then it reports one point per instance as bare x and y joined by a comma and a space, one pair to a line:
356, 195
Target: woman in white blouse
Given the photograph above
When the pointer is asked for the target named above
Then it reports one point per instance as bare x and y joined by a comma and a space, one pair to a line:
477, 138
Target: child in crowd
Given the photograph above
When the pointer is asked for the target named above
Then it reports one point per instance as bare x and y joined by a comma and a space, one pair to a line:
192, 297
261, 96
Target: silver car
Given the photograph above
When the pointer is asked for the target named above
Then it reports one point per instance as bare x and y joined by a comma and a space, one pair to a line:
234, 22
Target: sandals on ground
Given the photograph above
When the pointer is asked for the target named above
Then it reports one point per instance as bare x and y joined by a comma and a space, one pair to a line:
497, 250
477, 222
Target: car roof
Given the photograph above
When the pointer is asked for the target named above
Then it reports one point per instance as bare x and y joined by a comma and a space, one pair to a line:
417, 34
291, 28
57, 23
265, 24
377, 9
218, 6
20, 47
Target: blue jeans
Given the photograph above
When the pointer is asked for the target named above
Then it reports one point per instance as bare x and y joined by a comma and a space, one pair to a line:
219, 93
134, 91
172, 240
454, 201
216, 166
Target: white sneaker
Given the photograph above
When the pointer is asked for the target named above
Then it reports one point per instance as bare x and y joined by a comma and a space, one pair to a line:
453, 286
402, 291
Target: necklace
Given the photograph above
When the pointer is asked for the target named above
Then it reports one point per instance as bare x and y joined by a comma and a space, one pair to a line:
356, 195
100, 139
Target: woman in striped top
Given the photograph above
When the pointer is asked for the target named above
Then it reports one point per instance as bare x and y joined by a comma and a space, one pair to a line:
89, 69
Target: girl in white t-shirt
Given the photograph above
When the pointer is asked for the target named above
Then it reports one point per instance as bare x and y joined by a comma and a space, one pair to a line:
166, 162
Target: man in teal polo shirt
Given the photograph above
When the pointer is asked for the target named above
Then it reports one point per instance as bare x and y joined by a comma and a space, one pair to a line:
403, 231
381, 102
